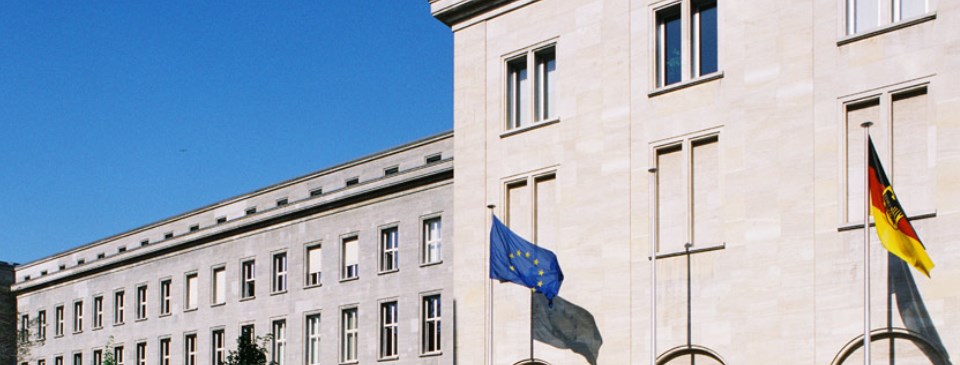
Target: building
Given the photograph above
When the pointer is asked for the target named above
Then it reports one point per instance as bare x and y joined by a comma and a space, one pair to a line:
721, 137
350, 264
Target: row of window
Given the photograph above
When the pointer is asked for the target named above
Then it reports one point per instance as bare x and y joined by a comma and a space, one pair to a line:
392, 170
389, 333
389, 260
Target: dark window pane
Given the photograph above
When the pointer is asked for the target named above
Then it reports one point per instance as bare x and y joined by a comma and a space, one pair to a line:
708, 38
672, 48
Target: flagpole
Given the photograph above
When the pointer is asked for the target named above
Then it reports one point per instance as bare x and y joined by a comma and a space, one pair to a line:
489, 221
866, 242
653, 267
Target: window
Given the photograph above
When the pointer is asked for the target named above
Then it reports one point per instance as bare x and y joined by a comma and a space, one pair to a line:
58, 360
58, 324
352, 181
389, 250
672, 60
141, 302
522, 107
118, 307
247, 331
314, 265
348, 335
42, 362
531, 207
165, 287
279, 342
431, 241
78, 359
101, 255
142, 243
219, 347
905, 139
219, 294
393, 170
687, 193
191, 292
165, 351
97, 357
194, 228
221, 220
430, 325
24, 327
866, 15
313, 339
349, 258
78, 317
388, 330
433, 158
282, 201
98, 312
118, 355
142, 353
248, 273
316, 192
168, 235
251, 211
42, 325
79, 262
280, 272
190, 349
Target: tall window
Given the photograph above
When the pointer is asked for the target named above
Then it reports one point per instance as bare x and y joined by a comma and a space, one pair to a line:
430, 325
165, 292
248, 274
142, 302
97, 312
58, 360
41, 325
531, 208
219, 295
78, 359
118, 354
191, 292
248, 331
314, 265
687, 193
165, 351
280, 272
190, 349
673, 61
77, 317
389, 249
118, 307
142, 353
388, 330
58, 321
279, 342
431, 241
348, 335
866, 15
536, 103
313, 339
219, 347
24, 327
905, 141
350, 258
97, 357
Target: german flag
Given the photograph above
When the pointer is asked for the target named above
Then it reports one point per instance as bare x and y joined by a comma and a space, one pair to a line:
895, 231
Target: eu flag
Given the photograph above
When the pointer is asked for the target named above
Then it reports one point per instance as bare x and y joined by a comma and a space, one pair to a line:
514, 259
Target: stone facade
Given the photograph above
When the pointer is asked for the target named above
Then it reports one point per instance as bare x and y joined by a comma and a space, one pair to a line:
290, 218
775, 269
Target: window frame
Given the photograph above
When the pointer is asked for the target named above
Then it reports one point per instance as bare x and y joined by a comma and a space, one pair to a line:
278, 341
97, 312
388, 331
216, 299
164, 350
190, 343
691, 55
309, 280
527, 106
119, 307
191, 292
889, 17
218, 345
166, 297
248, 278
78, 316
41, 324
312, 341
59, 324
140, 313
384, 251
426, 243
425, 299
345, 272
347, 333
279, 272
141, 353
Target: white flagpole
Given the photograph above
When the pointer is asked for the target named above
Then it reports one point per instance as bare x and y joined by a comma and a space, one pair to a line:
653, 266
489, 289
866, 242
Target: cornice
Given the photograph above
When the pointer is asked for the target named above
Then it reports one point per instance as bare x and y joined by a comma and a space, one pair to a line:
465, 9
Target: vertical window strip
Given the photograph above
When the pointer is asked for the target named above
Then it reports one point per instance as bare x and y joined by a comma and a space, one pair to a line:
313, 339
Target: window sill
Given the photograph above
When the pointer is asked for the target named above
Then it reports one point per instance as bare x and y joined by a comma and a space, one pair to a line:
385, 272
190, 310
692, 250
77, 332
386, 359
244, 299
434, 263
851, 226
118, 324
432, 354
349, 279
887, 29
350, 362
281, 292
215, 305
139, 320
96, 328
58, 336
163, 315
685, 84
311, 286
535, 125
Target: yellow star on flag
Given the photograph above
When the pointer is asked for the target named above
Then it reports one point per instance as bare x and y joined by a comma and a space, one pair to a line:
541, 272
519, 253
512, 269
511, 255
536, 262
528, 255
539, 283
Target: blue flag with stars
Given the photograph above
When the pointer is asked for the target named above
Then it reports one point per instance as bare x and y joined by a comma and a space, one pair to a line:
514, 259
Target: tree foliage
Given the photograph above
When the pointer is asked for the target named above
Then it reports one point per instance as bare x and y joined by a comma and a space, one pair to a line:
250, 351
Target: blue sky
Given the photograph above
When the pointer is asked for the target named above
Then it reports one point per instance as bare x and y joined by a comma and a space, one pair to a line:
118, 114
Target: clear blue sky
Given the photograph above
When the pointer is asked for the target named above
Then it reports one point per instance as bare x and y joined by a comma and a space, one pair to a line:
117, 114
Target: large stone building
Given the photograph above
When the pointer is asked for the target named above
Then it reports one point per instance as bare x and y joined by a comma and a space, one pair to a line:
348, 264
722, 136
696, 165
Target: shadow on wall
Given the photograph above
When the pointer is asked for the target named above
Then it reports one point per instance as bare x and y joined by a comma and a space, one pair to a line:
566, 326
913, 312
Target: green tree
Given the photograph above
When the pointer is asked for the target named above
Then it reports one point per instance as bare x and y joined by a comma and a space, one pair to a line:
250, 351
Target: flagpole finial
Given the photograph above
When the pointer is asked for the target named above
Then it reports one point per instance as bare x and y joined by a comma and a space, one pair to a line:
866, 124
491, 206
652, 170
